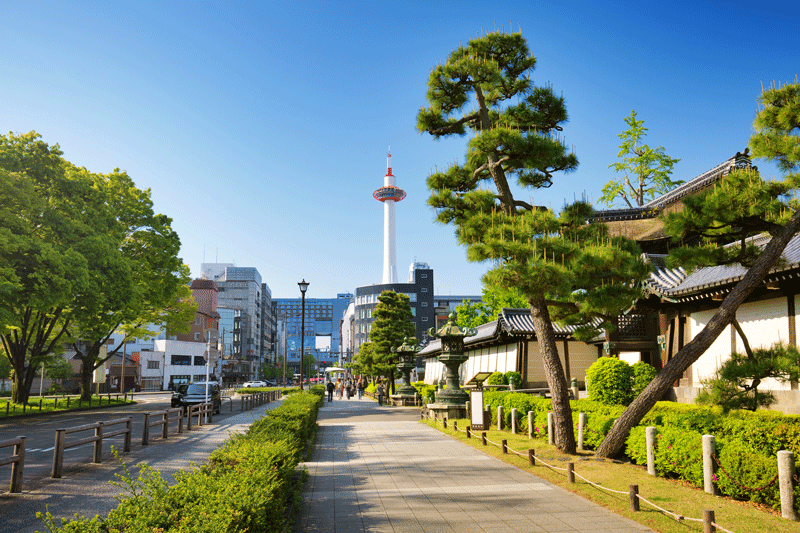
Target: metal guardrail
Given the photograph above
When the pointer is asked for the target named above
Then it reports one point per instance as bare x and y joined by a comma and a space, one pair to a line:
97, 439
17, 462
164, 418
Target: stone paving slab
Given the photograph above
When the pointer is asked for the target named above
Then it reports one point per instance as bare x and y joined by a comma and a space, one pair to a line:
377, 469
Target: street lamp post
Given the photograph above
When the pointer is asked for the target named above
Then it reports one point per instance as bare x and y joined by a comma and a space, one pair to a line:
303, 287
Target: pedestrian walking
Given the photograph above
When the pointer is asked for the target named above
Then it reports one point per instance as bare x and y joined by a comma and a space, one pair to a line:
380, 391
349, 387
330, 388
362, 383
339, 388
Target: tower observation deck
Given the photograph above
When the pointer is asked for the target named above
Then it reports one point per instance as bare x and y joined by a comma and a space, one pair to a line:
389, 194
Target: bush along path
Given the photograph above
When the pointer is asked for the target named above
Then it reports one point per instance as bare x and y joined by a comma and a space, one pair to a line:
246, 485
747, 443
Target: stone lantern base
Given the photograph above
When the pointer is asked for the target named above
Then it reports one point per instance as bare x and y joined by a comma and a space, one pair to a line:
447, 410
404, 399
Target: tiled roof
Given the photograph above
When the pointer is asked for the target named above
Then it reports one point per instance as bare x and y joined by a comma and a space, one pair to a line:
514, 322
739, 160
520, 322
652, 208
676, 283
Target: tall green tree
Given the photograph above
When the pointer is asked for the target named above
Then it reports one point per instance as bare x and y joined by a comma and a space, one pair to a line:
564, 268
742, 205
646, 171
364, 361
392, 323
46, 217
137, 280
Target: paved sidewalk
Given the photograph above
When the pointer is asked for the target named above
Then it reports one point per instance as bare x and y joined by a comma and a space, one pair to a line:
379, 470
85, 488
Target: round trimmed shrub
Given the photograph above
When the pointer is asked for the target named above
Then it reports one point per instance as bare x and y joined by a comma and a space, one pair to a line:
643, 374
514, 378
497, 378
608, 381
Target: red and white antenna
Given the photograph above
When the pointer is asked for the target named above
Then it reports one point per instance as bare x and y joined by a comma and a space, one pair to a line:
389, 160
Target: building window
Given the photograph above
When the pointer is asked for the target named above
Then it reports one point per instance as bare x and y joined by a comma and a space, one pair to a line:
199, 360
369, 313
152, 365
197, 321
424, 289
424, 319
179, 378
423, 276
181, 360
424, 304
196, 336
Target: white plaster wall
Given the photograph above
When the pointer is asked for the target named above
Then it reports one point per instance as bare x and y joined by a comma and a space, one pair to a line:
764, 323
630, 357
492, 359
716, 354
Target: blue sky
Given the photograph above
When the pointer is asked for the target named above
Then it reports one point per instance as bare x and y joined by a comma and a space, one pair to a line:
261, 127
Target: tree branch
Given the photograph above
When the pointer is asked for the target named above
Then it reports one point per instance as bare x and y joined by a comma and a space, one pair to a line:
444, 130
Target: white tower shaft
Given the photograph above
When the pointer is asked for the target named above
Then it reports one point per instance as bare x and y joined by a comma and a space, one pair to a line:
389, 253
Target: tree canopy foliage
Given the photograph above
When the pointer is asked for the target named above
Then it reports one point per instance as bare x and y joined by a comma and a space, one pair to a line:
392, 323
473, 314
81, 255
564, 267
646, 170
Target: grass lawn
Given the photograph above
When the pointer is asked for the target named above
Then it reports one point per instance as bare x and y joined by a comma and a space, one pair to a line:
52, 404
675, 496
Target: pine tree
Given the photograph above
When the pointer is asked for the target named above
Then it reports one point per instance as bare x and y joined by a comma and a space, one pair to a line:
392, 322
565, 268
741, 206
647, 170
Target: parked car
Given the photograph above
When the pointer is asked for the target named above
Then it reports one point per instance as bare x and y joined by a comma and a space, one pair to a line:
178, 393
253, 384
195, 393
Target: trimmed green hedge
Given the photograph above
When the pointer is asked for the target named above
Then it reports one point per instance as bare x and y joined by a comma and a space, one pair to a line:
244, 487
747, 442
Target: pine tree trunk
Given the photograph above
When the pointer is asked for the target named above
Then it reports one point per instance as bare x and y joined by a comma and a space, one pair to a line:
564, 436
672, 371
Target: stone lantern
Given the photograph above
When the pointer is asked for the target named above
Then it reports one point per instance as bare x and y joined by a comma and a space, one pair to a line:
452, 400
406, 393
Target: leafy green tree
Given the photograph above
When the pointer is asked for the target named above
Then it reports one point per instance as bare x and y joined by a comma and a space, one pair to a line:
59, 369
392, 323
735, 384
364, 361
646, 170
137, 277
559, 264
46, 218
740, 206
473, 314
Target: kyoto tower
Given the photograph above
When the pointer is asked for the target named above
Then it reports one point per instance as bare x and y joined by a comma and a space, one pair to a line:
389, 194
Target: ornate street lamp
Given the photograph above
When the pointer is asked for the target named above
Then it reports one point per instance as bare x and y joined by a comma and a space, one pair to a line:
452, 357
303, 287
406, 352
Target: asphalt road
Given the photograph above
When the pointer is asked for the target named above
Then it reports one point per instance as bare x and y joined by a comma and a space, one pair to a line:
85, 487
